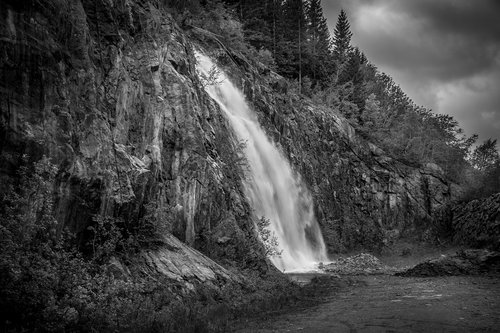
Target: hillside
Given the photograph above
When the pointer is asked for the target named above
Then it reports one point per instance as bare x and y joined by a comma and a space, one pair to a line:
123, 183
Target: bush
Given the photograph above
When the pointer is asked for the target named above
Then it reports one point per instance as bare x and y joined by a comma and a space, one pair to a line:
268, 237
45, 283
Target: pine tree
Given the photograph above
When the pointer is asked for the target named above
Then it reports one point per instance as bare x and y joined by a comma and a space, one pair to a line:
357, 63
342, 37
256, 18
319, 41
295, 36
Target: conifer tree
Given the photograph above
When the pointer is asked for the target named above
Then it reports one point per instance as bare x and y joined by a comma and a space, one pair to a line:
256, 18
319, 41
342, 37
295, 27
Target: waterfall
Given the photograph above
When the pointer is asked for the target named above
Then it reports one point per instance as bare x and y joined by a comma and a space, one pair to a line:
273, 189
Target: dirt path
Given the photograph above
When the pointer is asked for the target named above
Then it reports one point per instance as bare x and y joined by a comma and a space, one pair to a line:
387, 303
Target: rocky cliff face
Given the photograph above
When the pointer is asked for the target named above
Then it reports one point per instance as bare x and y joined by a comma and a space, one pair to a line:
477, 223
109, 92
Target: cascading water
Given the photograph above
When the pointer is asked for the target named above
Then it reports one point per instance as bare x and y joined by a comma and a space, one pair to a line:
273, 189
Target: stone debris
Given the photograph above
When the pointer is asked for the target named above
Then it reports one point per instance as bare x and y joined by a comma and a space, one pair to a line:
464, 262
360, 264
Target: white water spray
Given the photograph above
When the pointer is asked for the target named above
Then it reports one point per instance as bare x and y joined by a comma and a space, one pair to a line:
273, 189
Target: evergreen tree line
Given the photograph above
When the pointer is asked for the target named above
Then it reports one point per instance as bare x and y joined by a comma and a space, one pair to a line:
296, 34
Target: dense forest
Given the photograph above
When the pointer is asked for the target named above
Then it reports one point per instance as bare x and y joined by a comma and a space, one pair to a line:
292, 38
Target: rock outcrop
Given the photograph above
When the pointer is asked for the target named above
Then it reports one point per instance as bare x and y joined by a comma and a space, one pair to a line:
108, 91
464, 262
477, 223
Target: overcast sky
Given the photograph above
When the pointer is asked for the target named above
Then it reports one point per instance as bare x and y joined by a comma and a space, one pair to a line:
445, 54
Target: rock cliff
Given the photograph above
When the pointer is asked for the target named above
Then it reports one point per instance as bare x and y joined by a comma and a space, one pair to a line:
477, 223
108, 91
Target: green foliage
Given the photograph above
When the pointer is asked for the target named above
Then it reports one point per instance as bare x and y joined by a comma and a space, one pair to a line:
268, 238
157, 220
212, 78
483, 179
215, 22
295, 33
266, 58
485, 156
319, 43
106, 239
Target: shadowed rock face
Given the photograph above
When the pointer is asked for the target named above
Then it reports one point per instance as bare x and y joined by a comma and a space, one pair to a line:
110, 94
477, 223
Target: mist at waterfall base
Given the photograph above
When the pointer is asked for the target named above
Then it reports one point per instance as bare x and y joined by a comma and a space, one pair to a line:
272, 188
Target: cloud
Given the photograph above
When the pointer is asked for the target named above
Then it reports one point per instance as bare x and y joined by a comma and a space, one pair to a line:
445, 54
408, 35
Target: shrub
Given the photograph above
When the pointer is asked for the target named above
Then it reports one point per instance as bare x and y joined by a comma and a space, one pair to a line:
268, 238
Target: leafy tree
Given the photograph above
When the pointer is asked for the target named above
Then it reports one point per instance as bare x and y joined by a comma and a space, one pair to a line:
268, 238
483, 178
485, 155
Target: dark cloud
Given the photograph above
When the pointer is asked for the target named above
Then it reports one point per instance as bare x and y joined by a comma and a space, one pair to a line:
445, 54
468, 18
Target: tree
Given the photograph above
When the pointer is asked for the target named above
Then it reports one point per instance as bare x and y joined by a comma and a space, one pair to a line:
295, 25
319, 41
354, 71
268, 238
342, 37
485, 155
483, 179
